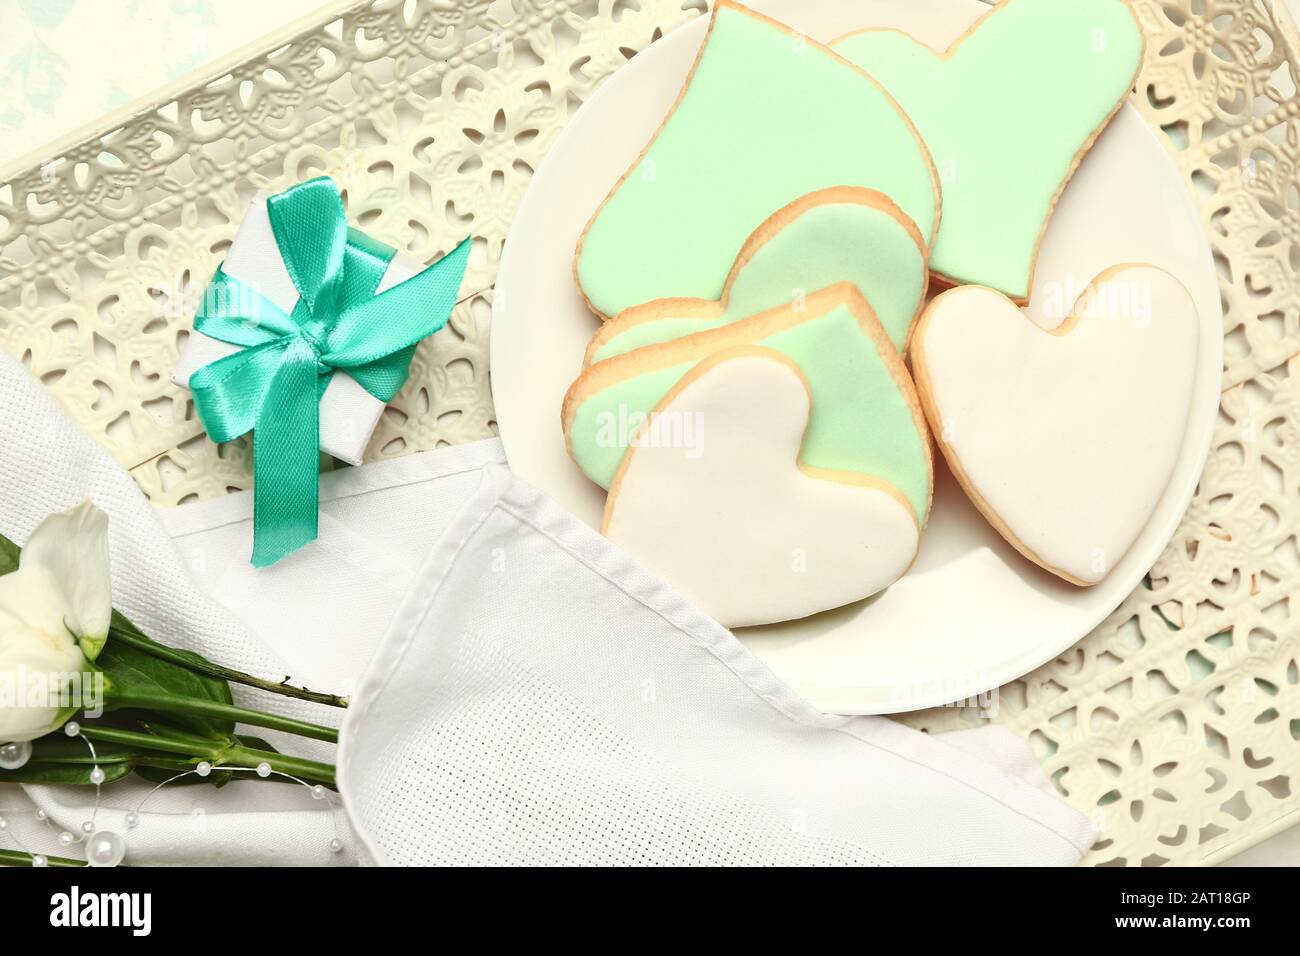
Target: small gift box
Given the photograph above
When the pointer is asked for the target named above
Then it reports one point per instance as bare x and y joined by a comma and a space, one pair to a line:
348, 413
304, 334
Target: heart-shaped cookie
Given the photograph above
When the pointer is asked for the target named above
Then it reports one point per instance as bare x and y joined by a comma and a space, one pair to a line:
1065, 440
766, 116
842, 234
866, 418
732, 521
1007, 111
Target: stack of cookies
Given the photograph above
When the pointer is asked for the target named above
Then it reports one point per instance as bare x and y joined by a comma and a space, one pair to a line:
771, 373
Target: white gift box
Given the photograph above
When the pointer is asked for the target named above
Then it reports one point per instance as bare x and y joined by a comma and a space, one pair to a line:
348, 413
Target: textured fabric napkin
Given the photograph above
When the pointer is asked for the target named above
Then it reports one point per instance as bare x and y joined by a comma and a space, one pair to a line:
323, 609
542, 699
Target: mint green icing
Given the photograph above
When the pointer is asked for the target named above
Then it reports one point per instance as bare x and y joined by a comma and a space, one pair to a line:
827, 243
659, 330
1005, 117
860, 422
768, 117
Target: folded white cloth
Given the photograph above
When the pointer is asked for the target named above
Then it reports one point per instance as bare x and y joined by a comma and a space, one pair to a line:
324, 608
542, 699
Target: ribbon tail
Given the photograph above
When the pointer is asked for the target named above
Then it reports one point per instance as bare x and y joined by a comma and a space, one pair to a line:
228, 393
286, 462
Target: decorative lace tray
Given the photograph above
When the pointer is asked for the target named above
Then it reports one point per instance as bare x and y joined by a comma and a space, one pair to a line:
1176, 723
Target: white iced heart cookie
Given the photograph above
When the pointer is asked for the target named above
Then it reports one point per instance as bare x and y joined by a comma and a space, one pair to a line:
711, 497
1065, 440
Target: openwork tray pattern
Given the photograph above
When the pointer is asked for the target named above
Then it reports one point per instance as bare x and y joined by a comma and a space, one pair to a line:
1176, 723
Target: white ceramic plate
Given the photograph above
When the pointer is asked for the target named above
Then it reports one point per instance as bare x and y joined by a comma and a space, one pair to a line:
971, 614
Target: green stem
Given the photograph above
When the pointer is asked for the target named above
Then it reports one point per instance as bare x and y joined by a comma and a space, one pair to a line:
208, 750
173, 733
312, 771
220, 753
16, 858
86, 760
210, 708
193, 663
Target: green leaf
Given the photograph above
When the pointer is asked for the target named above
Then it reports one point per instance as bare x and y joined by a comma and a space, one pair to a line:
131, 671
64, 773
57, 748
121, 624
57, 758
72, 765
9, 553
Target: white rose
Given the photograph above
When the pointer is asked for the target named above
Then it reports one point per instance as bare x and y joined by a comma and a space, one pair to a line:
54, 614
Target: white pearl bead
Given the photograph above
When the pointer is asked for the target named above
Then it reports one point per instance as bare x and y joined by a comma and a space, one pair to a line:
264, 769
203, 769
88, 827
97, 776
105, 848
15, 755
66, 838
4, 824
72, 728
41, 814
336, 845
318, 792
132, 820
39, 860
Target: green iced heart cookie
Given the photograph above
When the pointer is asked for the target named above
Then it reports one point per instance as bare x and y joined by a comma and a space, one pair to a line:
865, 417
767, 116
1007, 112
834, 235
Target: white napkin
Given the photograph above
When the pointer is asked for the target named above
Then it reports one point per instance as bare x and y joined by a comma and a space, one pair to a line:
324, 608
542, 699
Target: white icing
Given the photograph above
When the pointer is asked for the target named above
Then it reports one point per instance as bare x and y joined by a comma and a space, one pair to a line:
716, 504
1069, 437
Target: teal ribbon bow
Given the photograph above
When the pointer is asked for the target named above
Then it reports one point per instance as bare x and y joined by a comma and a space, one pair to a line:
273, 385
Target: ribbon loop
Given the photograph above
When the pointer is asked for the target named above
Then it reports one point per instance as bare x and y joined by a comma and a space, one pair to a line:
311, 211
273, 385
